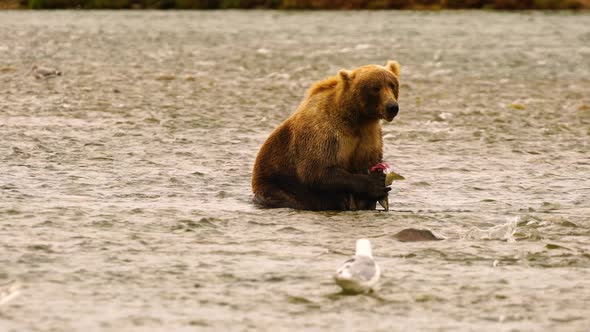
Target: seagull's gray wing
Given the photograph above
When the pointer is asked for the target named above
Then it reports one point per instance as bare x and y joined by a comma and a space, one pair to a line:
362, 267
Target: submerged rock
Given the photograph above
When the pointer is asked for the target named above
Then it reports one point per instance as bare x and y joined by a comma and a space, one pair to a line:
415, 235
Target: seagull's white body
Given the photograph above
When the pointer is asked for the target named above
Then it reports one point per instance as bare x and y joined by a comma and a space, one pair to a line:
359, 274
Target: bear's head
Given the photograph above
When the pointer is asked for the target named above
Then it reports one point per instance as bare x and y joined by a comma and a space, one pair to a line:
372, 91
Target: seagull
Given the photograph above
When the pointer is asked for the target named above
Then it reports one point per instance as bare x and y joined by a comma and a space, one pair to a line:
359, 274
44, 72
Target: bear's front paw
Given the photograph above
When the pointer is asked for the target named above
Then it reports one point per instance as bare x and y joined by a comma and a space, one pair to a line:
376, 188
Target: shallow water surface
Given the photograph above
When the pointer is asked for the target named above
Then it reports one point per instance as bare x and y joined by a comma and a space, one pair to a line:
125, 183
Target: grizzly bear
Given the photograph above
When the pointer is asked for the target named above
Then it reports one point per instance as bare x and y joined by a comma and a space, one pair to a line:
319, 158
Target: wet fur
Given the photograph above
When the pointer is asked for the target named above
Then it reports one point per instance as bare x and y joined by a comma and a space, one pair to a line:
319, 157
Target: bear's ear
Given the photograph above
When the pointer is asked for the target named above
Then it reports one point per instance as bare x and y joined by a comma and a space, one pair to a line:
393, 66
346, 75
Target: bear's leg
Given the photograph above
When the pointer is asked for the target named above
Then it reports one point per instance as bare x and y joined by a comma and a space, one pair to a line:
364, 204
297, 196
275, 197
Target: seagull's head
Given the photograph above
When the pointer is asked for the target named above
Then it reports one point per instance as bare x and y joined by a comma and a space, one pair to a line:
363, 248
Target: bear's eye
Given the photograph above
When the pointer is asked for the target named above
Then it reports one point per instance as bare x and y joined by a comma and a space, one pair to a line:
376, 89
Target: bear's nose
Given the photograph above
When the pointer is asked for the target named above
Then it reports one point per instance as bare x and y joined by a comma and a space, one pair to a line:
392, 109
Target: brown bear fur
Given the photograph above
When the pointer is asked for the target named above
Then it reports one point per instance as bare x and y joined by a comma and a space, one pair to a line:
318, 159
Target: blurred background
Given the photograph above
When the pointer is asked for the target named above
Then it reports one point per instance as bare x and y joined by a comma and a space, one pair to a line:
298, 4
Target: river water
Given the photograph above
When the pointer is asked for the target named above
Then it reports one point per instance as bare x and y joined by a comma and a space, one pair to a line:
125, 182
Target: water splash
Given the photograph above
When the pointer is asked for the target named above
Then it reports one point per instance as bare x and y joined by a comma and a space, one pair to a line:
9, 291
504, 232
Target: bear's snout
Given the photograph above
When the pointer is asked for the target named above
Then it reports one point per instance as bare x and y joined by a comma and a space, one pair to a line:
392, 110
